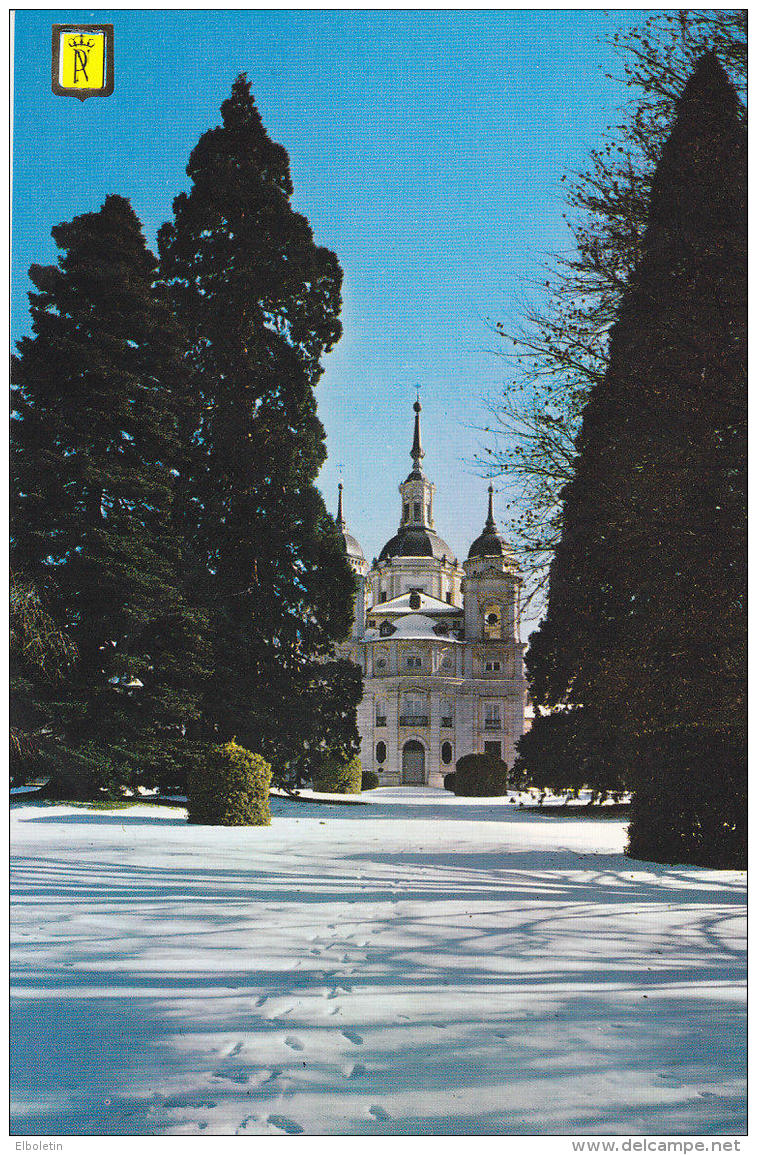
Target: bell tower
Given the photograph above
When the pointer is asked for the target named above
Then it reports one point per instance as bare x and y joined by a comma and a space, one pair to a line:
492, 586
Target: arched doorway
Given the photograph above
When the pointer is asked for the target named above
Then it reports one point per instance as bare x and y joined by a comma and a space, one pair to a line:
413, 764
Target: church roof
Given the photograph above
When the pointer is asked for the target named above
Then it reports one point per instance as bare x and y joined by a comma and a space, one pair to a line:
416, 541
402, 605
413, 627
491, 543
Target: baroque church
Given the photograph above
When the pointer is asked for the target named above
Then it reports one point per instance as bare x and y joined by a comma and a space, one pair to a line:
438, 643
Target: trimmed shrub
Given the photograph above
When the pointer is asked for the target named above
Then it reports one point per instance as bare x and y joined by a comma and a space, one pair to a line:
480, 776
369, 781
229, 788
449, 781
339, 777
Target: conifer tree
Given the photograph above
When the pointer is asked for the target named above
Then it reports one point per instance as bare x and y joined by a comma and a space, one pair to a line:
97, 395
260, 302
645, 627
559, 352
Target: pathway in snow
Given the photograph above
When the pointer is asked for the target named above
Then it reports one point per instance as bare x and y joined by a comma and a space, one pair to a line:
422, 964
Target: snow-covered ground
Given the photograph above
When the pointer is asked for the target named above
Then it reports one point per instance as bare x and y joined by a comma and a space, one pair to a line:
421, 964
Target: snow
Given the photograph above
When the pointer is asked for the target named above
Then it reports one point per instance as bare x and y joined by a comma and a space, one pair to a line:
417, 964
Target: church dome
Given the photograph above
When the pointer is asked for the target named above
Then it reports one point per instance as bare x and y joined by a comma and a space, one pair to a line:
351, 544
416, 541
491, 543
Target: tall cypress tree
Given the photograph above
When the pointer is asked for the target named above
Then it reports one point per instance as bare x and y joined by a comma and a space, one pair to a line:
645, 629
97, 396
260, 302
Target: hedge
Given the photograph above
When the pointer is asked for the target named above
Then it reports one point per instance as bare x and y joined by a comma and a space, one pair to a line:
229, 788
339, 778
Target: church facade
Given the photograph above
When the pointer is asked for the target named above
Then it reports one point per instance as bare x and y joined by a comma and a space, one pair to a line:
438, 643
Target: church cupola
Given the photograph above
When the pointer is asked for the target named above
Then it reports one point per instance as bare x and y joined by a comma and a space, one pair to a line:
490, 542
355, 555
417, 491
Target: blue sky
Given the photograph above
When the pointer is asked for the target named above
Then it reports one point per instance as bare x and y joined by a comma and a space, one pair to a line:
426, 149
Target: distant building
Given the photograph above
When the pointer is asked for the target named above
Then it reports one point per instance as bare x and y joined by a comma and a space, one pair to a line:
438, 643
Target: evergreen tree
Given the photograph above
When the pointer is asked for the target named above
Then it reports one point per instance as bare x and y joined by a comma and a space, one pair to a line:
97, 395
559, 353
42, 658
260, 302
645, 626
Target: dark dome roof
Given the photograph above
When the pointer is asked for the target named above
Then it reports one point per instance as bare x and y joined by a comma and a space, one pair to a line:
491, 543
415, 541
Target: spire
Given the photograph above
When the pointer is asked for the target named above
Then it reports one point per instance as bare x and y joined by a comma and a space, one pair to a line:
490, 522
416, 452
340, 512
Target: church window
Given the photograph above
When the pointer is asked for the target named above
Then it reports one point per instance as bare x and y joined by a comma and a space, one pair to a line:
414, 662
380, 752
447, 712
414, 710
492, 667
382, 596
380, 712
416, 511
428, 511
406, 511
446, 753
446, 662
380, 663
449, 598
492, 716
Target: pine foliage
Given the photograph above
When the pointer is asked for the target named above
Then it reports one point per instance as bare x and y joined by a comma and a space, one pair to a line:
260, 303
97, 395
645, 627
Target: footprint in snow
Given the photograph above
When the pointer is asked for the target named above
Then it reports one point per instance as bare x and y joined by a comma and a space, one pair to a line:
233, 1075
353, 1036
235, 1051
295, 1043
260, 1000
284, 1124
379, 1113
354, 1070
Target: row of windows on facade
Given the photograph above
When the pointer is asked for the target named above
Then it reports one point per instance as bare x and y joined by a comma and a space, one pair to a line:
414, 711
494, 748
446, 753
415, 662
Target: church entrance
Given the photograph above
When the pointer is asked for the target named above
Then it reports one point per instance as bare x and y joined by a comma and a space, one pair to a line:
413, 764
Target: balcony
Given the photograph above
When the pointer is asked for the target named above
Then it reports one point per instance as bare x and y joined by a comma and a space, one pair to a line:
493, 724
381, 721
413, 719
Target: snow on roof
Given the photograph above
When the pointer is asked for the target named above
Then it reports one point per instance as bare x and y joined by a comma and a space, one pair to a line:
401, 605
418, 626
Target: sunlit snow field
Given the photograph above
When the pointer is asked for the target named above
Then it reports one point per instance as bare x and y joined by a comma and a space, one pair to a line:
414, 963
